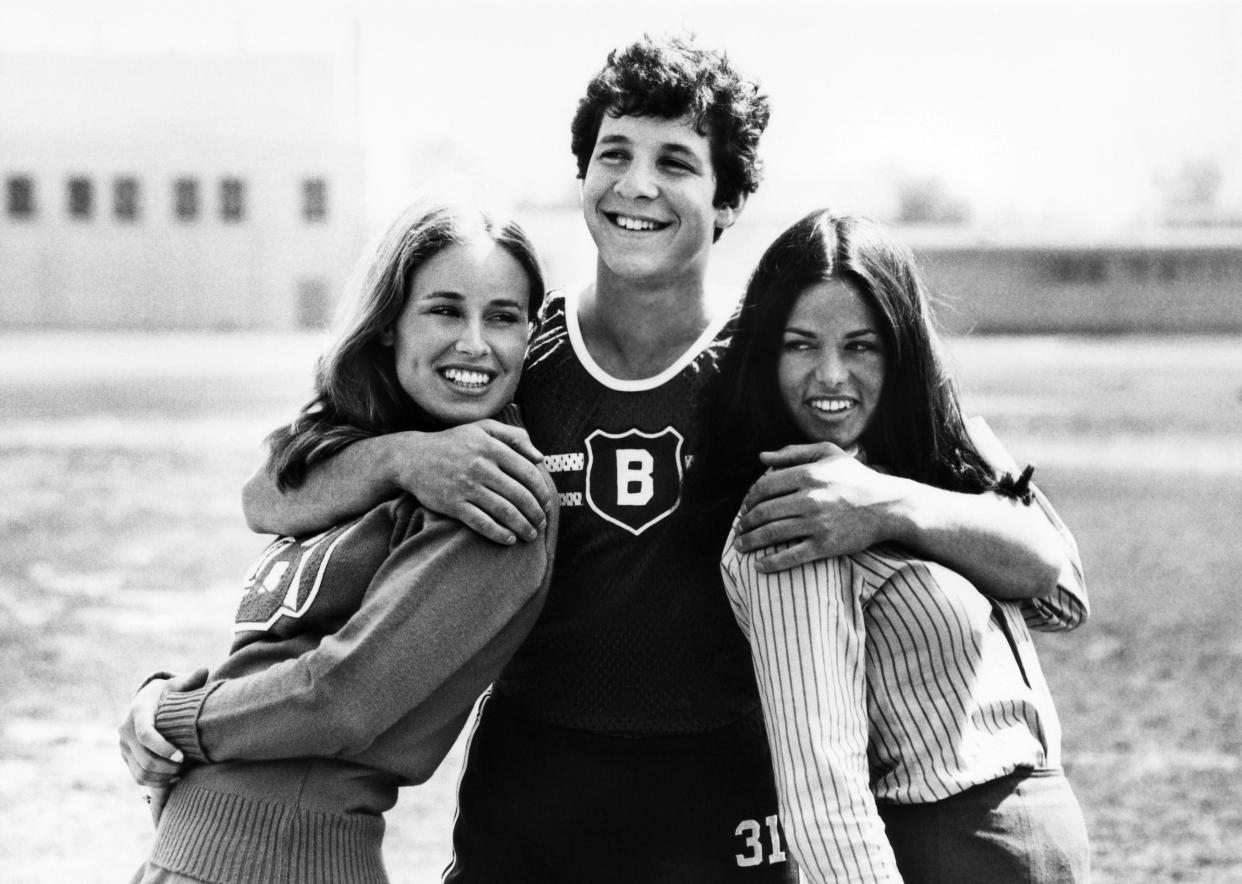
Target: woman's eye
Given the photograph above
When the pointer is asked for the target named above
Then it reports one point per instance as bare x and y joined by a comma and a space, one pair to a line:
505, 318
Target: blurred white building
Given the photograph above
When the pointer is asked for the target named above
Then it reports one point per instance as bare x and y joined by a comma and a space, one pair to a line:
177, 191
1171, 281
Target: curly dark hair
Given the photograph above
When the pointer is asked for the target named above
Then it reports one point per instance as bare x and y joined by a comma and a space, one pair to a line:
671, 78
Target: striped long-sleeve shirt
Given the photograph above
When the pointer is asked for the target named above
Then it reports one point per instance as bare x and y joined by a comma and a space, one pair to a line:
884, 676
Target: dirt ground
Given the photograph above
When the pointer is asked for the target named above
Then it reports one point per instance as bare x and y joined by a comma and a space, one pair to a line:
121, 458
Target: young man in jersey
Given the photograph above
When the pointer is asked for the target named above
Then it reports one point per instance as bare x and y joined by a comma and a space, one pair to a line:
624, 741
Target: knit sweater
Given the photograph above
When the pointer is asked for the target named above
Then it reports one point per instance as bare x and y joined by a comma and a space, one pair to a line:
357, 657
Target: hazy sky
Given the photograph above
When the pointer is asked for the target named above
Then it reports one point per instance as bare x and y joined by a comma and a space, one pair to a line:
1052, 113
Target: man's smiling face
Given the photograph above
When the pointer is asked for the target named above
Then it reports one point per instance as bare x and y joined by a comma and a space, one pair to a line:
648, 198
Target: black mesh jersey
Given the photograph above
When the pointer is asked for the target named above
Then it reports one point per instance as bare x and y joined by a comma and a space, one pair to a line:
637, 636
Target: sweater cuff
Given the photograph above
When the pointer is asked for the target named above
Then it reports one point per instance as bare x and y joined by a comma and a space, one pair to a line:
177, 720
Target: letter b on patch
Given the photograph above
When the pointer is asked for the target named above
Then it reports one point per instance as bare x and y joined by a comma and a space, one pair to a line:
635, 485
633, 479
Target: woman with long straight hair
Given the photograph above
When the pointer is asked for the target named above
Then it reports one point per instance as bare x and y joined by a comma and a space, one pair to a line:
911, 728
359, 652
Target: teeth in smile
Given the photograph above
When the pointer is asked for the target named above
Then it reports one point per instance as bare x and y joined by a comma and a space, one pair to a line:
635, 223
831, 405
467, 378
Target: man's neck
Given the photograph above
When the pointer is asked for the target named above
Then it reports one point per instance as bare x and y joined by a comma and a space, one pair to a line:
635, 330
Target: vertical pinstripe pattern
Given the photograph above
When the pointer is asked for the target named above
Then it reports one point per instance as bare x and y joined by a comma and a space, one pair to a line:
884, 676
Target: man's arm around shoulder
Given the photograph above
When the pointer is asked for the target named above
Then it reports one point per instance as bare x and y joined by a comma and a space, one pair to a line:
483, 474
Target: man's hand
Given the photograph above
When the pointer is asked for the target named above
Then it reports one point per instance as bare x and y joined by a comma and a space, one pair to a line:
152, 760
484, 475
821, 500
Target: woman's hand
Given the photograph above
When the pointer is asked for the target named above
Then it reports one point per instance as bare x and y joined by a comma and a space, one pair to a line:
152, 760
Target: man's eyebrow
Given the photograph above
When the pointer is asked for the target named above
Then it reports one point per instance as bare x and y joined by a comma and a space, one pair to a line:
670, 146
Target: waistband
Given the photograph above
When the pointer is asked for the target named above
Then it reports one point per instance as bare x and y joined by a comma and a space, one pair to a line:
232, 838
503, 711
1022, 777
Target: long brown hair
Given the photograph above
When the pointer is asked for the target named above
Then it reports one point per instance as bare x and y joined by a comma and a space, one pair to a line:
357, 394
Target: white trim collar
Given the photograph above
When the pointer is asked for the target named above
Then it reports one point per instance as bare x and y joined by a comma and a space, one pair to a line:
572, 301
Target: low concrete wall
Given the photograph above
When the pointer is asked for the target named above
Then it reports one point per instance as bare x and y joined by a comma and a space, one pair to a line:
1112, 289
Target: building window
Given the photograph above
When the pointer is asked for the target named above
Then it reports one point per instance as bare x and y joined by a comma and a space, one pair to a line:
20, 196
1139, 266
314, 199
125, 205
232, 199
81, 198
314, 305
185, 199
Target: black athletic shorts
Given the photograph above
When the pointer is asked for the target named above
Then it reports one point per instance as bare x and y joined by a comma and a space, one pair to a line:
540, 803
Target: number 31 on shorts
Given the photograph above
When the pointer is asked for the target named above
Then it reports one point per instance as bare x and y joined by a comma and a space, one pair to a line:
755, 851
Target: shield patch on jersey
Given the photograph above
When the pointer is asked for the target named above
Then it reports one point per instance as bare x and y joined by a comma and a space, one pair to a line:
633, 479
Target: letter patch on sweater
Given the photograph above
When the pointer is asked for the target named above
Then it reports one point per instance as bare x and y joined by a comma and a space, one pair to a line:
286, 579
633, 479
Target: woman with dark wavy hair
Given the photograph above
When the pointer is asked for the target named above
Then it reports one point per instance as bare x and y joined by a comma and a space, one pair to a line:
912, 732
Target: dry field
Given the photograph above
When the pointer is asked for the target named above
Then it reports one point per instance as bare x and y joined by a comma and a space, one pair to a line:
123, 546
